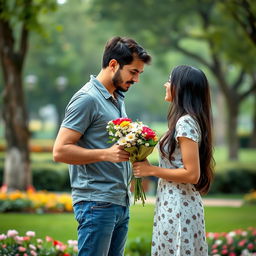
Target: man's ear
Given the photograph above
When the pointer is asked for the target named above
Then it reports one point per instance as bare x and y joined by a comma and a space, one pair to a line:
113, 65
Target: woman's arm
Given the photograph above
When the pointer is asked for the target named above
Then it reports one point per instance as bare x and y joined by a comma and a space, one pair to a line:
189, 174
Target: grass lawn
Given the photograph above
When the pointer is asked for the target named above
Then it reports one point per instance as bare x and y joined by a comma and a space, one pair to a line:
63, 226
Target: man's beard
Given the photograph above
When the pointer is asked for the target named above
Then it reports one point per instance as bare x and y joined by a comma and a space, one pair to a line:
118, 81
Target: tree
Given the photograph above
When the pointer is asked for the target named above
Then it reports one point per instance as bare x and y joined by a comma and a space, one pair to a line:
17, 19
176, 25
244, 14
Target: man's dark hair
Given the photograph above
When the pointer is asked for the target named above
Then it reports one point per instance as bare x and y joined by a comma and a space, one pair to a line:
123, 50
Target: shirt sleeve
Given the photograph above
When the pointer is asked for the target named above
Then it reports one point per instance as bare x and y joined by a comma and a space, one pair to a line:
189, 128
79, 113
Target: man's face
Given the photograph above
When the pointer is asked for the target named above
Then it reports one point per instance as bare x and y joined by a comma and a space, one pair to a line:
128, 75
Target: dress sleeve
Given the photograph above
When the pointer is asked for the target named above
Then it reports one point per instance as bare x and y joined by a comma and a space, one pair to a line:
189, 128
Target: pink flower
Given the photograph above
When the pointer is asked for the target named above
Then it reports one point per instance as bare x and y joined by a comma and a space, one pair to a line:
48, 239
21, 249
232, 254
33, 253
72, 243
224, 252
242, 243
3, 237
12, 233
31, 246
250, 246
214, 251
30, 233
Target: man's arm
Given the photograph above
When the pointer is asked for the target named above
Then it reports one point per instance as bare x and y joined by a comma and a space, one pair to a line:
65, 150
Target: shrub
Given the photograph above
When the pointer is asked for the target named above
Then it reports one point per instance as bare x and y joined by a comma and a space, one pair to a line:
250, 198
138, 247
234, 181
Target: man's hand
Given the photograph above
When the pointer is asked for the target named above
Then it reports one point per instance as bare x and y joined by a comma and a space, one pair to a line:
116, 154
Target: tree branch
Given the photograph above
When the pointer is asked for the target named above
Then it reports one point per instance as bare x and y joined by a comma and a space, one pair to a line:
192, 55
239, 80
252, 89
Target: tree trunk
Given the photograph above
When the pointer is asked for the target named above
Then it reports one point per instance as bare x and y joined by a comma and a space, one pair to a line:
17, 174
253, 136
233, 140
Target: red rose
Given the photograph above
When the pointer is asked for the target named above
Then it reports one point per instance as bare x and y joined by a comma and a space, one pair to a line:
150, 134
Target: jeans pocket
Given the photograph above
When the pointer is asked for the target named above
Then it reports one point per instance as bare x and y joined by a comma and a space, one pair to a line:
78, 211
99, 205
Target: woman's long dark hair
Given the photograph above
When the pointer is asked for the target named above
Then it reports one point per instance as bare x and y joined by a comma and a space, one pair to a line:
191, 95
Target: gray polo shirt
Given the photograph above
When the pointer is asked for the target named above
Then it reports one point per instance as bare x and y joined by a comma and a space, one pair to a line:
88, 112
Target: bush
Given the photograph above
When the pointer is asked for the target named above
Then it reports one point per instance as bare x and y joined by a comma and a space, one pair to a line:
233, 181
138, 247
51, 177
250, 198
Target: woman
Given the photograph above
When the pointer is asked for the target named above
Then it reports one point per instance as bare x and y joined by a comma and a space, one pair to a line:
186, 166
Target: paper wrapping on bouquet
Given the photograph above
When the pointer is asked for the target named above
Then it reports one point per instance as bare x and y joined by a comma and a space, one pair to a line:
138, 154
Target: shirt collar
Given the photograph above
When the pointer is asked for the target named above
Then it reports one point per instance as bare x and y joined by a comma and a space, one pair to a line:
102, 89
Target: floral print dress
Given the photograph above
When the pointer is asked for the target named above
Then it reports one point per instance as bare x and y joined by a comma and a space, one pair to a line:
179, 228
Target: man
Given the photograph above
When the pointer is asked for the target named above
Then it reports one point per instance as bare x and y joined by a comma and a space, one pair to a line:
100, 173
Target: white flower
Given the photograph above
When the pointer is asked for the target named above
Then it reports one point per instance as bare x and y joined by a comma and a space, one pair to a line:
72, 242
147, 144
128, 145
118, 134
122, 141
30, 233
139, 141
130, 136
231, 234
218, 242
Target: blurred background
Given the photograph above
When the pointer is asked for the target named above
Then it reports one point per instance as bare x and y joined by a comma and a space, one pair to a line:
49, 49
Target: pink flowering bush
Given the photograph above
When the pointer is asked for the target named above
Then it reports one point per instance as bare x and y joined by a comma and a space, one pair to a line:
11, 244
235, 243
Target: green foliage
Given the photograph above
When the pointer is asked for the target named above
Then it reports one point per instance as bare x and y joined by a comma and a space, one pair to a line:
18, 205
138, 247
26, 12
234, 181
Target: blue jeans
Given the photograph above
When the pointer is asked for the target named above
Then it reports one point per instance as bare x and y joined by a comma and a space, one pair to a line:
102, 229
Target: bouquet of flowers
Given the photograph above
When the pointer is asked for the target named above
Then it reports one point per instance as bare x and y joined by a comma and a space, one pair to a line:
138, 139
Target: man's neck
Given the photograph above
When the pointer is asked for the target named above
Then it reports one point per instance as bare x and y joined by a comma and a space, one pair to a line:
107, 82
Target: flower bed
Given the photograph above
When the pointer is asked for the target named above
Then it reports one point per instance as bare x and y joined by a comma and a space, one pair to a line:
250, 198
236, 243
38, 202
13, 244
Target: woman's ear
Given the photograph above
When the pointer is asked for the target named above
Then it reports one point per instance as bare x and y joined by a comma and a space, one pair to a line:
113, 65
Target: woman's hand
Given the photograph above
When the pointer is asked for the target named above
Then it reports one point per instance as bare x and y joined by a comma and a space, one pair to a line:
141, 169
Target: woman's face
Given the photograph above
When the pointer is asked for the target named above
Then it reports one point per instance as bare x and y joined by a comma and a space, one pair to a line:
168, 96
